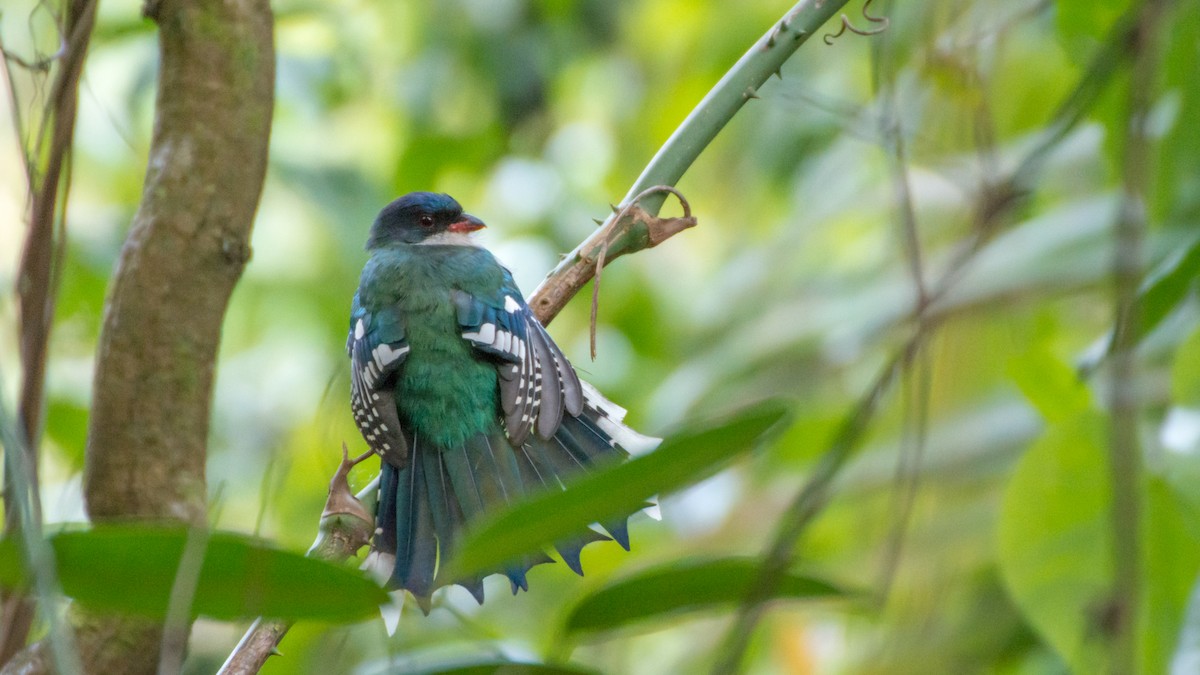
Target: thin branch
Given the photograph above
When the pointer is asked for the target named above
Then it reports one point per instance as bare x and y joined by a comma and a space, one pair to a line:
17, 119
892, 133
40, 64
37, 282
631, 228
916, 398
908, 468
346, 526
1125, 461
38, 262
999, 198
632, 221
995, 206
259, 643
807, 504
739, 85
186, 249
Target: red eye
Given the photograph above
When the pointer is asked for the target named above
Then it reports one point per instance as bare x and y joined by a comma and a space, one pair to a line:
426, 221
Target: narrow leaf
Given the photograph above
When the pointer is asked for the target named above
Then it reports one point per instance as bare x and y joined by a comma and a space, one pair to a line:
684, 458
130, 569
1165, 287
689, 586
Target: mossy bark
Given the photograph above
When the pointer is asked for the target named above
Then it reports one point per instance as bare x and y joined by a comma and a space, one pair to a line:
186, 249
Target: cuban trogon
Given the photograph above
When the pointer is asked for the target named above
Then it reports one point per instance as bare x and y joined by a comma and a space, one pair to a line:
461, 392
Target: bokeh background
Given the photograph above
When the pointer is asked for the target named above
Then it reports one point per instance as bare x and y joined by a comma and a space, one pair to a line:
974, 517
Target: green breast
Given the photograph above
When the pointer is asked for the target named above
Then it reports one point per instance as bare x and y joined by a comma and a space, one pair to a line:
445, 393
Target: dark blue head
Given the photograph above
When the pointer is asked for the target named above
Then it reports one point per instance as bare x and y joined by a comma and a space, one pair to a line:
419, 216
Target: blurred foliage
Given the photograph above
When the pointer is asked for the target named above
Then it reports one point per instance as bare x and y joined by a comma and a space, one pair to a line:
689, 454
976, 511
682, 586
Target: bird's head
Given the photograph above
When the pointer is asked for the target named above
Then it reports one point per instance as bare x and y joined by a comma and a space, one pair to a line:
422, 217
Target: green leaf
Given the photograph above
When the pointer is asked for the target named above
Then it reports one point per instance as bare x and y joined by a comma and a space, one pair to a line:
680, 587
1167, 285
1054, 549
1171, 560
1185, 372
1088, 18
66, 425
1187, 652
1176, 194
684, 458
130, 569
1054, 388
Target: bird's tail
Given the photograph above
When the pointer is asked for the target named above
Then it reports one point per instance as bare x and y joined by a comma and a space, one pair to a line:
424, 506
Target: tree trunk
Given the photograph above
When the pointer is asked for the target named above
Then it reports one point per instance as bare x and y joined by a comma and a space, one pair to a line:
185, 251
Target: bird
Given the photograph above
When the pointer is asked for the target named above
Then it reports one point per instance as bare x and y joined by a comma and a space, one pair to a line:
464, 396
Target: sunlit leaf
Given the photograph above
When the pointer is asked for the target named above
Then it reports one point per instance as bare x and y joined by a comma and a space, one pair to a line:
680, 587
131, 569
685, 457
1171, 562
1054, 388
1054, 549
1084, 18
1185, 373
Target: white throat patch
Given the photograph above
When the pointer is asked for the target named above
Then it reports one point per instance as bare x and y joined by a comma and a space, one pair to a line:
449, 238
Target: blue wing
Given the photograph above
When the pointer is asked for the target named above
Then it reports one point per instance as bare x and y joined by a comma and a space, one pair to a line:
377, 348
537, 383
